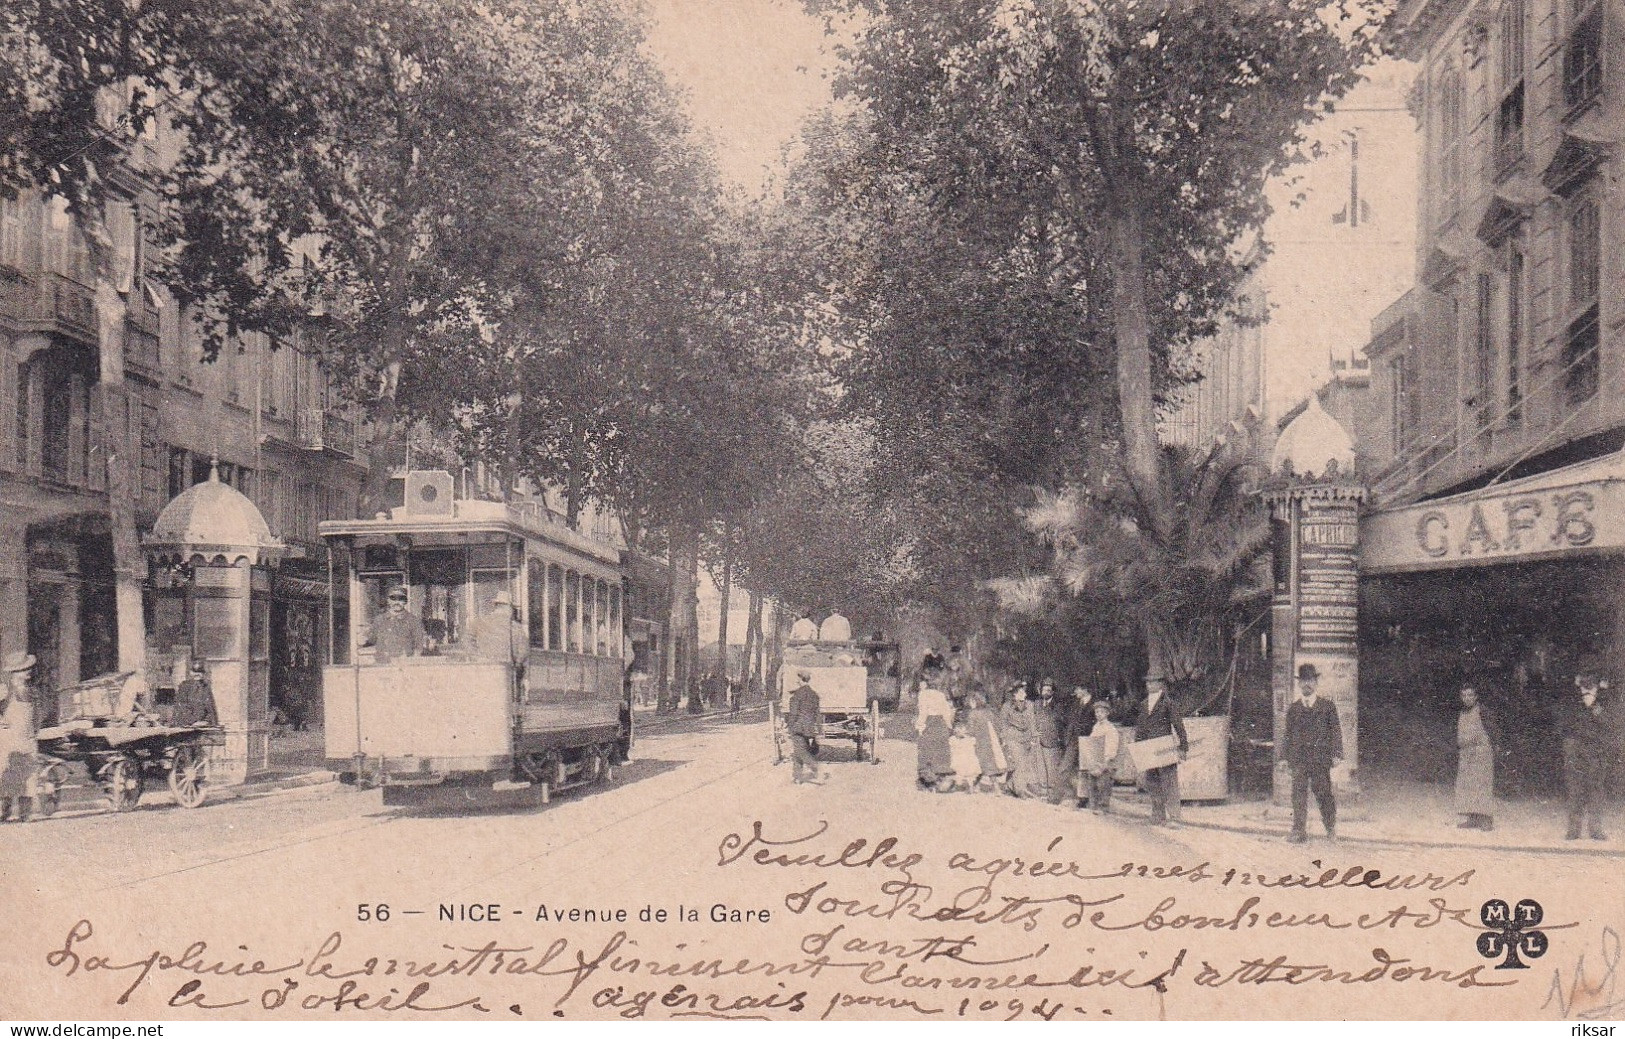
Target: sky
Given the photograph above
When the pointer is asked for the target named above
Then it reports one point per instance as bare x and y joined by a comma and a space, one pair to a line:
752, 71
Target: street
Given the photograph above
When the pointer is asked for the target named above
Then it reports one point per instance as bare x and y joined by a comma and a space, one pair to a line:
319, 894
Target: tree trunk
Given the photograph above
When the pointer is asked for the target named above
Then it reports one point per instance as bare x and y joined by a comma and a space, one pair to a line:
727, 599
1133, 333
750, 671
685, 561
1137, 408
122, 460
386, 448
775, 651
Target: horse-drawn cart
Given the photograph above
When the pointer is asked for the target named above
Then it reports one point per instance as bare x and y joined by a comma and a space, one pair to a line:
110, 730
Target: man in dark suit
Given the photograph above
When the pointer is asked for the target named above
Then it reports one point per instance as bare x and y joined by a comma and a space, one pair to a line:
805, 722
1160, 716
1312, 744
1590, 745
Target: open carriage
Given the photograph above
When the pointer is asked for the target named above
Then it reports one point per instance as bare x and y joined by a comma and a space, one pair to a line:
108, 727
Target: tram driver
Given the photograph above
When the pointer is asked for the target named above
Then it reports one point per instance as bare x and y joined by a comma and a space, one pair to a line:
398, 632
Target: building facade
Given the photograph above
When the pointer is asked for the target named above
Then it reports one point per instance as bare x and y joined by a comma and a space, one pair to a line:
109, 413
1491, 548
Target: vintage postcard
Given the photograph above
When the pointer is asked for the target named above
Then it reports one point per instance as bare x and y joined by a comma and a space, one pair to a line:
812, 510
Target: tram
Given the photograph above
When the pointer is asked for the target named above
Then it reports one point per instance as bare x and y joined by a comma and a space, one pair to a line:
480, 651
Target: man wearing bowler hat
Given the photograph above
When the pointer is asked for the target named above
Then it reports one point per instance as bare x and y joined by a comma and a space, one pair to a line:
1590, 745
1312, 743
1160, 716
17, 747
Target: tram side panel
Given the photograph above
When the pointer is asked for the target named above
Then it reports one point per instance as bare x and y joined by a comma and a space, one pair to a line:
420, 715
569, 701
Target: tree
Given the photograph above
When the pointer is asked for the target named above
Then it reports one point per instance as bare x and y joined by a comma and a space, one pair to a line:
425, 175
1081, 174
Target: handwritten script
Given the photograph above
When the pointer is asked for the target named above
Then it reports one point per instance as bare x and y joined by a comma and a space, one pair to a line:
848, 925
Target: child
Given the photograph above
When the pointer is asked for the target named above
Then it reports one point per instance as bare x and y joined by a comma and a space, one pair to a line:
962, 755
1098, 755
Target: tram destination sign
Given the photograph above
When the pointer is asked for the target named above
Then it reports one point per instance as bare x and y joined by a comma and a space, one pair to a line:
1497, 526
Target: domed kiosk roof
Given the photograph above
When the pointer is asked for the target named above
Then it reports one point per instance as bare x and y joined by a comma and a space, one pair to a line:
216, 522
1314, 445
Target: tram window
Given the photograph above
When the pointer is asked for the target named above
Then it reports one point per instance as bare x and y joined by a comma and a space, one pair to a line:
616, 626
555, 608
374, 590
601, 618
439, 577
487, 583
572, 611
592, 641
537, 593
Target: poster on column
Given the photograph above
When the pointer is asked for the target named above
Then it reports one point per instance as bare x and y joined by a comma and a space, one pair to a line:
513, 328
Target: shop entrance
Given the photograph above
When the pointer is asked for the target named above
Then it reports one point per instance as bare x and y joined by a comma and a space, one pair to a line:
1517, 631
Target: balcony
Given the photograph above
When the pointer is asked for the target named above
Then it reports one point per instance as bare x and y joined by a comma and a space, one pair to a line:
338, 435
46, 302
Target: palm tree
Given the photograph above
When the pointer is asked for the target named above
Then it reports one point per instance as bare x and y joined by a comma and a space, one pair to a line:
1177, 573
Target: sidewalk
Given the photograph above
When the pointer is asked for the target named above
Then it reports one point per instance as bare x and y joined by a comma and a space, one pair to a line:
1406, 815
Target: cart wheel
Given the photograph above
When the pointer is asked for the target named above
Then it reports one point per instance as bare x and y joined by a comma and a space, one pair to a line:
187, 775
122, 782
48, 789
874, 733
775, 724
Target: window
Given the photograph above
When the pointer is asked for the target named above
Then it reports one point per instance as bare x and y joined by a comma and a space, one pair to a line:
65, 252
1449, 140
536, 594
1509, 116
1581, 341
1582, 56
555, 608
1407, 404
1513, 359
1483, 367
11, 233
572, 614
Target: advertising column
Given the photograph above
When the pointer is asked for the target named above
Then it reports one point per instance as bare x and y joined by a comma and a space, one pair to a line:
1315, 613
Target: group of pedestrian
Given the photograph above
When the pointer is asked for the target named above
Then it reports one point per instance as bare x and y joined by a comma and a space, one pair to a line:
1051, 746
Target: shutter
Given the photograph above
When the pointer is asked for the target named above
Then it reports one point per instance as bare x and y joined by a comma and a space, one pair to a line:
96, 453
10, 450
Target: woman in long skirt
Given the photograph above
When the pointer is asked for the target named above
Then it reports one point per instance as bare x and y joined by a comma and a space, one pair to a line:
980, 723
933, 725
1475, 764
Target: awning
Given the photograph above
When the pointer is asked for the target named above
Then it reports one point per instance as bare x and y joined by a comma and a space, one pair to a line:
1574, 511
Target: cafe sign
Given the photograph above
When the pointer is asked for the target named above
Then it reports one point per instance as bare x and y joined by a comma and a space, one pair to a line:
1543, 518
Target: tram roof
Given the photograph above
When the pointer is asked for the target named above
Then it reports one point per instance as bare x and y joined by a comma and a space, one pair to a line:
476, 517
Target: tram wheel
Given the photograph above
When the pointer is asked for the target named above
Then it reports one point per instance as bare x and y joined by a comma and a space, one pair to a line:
123, 783
187, 775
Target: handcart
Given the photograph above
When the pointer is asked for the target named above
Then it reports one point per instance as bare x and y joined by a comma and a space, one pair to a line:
108, 728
